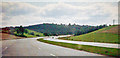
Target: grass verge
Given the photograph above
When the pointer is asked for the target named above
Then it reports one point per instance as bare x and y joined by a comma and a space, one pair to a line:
97, 36
93, 49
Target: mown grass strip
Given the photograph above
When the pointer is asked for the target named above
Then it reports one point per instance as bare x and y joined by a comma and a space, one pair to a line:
93, 49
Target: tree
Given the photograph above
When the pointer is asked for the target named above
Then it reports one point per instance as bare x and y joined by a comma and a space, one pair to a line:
110, 25
6, 30
69, 24
105, 25
32, 33
74, 24
38, 35
46, 34
17, 30
55, 34
77, 33
26, 31
22, 30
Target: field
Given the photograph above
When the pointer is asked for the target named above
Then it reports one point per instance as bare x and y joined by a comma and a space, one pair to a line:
5, 36
104, 35
93, 49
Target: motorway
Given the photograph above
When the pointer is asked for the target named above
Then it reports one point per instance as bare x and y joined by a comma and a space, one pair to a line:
108, 45
32, 47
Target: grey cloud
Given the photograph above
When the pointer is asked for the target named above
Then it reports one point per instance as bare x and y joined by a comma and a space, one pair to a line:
28, 14
60, 11
14, 9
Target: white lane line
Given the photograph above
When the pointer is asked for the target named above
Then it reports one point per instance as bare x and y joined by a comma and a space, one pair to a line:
39, 48
52, 54
36, 46
38, 42
5, 48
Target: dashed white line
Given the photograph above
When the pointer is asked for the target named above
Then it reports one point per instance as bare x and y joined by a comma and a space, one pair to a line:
39, 48
36, 46
52, 54
5, 48
38, 42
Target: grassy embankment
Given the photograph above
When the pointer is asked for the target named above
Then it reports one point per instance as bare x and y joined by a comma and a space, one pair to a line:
6, 36
28, 35
104, 35
93, 49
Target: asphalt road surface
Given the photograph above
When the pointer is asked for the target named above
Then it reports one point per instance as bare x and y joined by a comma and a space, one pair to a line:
32, 47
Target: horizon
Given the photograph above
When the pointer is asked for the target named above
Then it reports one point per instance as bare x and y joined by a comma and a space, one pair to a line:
56, 24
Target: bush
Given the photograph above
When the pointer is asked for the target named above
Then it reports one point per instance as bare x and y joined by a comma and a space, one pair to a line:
37, 35
77, 33
46, 34
55, 34
22, 36
32, 33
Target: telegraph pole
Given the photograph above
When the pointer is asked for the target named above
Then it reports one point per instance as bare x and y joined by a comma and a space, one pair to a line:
113, 21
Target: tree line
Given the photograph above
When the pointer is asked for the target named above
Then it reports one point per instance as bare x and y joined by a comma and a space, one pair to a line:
53, 29
18, 31
61, 29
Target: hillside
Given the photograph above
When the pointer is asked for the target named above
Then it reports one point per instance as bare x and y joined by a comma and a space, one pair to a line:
50, 30
104, 35
31, 33
5, 36
64, 29
13, 32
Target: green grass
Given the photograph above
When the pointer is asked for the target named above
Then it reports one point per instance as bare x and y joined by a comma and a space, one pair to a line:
93, 49
35, 33
29, 36
96, 36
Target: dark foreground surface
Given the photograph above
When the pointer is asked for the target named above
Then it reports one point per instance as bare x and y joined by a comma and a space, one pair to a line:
32, 47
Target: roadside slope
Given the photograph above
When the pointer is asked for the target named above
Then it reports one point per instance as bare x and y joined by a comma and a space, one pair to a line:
104, 35
36, 34
14, 35
5, 36
88, 48
30, 33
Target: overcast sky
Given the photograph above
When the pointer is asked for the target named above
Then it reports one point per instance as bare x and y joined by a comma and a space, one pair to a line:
88, 13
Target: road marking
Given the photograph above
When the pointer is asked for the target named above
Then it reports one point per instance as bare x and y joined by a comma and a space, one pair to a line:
5, 48
36, 46
39, 48
52, 54
38, 42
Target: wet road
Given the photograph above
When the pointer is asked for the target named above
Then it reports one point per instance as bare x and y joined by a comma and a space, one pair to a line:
32, 47
109, 45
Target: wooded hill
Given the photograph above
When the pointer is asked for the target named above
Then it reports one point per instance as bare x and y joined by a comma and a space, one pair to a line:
62, 29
